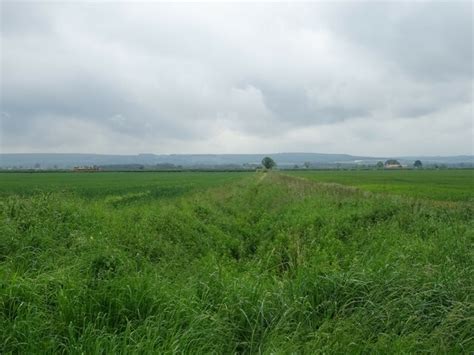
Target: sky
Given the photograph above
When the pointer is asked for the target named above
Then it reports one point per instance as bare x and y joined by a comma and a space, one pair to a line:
362, 78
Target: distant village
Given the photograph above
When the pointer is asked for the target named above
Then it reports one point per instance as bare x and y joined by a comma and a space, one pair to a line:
389, 164
80, 169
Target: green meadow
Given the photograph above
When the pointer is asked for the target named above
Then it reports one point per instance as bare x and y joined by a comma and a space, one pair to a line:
229, 262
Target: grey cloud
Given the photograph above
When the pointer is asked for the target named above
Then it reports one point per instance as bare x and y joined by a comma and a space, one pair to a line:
203, 77
24, 18
430, 40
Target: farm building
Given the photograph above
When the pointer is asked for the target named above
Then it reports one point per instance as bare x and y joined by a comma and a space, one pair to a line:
86, 168
392, 164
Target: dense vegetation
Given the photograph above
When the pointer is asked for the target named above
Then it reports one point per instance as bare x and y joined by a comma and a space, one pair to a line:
236, 263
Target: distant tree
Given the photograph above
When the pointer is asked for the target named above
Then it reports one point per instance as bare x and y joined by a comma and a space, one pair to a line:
296, 166
307, 164
268, 163
379, 165
418, 164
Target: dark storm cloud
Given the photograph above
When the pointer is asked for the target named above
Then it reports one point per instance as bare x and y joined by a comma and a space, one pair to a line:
196, 77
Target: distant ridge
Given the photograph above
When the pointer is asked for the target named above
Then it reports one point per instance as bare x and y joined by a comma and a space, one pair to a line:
67, 161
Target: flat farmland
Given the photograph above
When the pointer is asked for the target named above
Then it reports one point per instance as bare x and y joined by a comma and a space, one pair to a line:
453, 185
99, 184
228, 262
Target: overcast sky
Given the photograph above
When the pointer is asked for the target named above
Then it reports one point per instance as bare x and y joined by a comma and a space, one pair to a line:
367, 78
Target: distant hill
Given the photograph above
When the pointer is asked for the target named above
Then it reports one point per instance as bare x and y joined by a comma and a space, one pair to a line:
67, 161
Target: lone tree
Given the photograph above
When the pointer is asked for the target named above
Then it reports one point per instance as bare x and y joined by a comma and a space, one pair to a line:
379, 165
268, 163
418, 164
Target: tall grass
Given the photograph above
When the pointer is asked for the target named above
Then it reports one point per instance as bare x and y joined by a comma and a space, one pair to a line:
278, 264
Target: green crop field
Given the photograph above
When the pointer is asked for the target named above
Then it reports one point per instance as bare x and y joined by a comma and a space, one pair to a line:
450, 185
279, 262
98, 185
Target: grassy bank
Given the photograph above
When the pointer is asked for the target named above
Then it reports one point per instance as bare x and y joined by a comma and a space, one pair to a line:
247, 263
